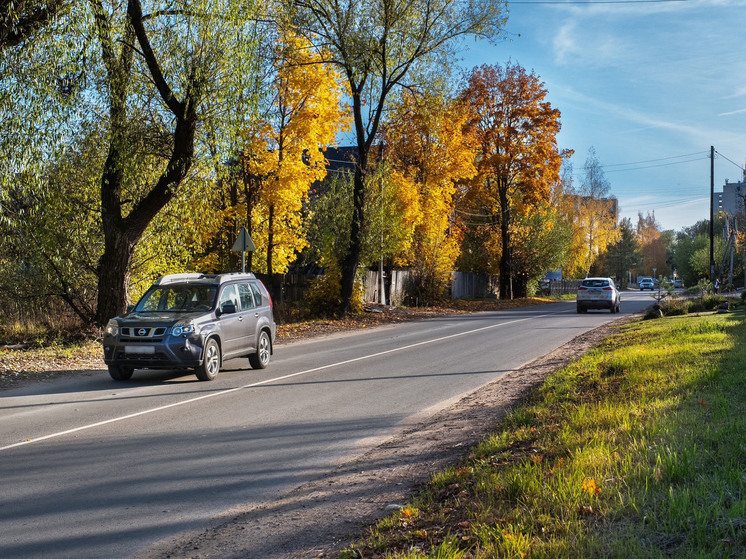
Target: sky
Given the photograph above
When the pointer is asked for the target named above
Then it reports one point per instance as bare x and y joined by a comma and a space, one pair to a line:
650, 85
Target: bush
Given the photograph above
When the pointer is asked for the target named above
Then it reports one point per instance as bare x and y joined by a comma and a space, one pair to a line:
675, 307
324, 296
706, 303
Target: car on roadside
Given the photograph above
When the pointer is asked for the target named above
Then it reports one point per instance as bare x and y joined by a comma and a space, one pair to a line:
598, 293
678, 284
646, 283
193, 321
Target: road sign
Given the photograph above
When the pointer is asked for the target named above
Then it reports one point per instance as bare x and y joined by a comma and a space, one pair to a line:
243, 243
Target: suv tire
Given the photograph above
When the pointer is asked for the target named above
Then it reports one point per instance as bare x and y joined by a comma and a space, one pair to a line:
118, 372
260, 359
210, 366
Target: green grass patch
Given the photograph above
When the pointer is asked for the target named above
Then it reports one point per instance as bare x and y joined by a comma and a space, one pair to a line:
638, 449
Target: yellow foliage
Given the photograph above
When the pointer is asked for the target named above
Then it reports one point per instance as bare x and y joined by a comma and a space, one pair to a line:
281, 155
426, 144
594, 228
590, 487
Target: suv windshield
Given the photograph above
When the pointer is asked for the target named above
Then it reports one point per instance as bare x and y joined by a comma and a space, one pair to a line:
178, 298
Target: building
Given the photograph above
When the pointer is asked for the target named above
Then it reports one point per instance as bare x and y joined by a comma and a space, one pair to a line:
731, 200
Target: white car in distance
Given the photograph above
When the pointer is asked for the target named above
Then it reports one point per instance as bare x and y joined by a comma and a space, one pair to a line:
598, 293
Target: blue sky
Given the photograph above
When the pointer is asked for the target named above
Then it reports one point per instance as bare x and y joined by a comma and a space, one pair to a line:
650, 85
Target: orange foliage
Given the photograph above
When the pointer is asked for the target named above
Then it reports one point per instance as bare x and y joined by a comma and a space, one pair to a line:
519, 159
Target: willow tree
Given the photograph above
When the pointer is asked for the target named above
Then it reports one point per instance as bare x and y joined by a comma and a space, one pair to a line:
20, 20
380, 45
149, 74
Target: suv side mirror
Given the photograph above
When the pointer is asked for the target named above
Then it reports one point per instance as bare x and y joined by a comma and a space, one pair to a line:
228, 308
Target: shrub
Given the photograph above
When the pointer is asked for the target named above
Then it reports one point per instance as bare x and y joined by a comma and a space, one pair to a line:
706, 303
324, 295
675, 307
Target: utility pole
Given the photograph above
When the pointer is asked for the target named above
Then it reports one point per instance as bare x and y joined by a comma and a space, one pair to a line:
712, 214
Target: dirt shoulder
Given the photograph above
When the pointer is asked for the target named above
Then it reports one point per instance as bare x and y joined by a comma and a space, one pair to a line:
318, 519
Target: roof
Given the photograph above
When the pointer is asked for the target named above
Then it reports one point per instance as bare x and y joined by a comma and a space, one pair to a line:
196, 277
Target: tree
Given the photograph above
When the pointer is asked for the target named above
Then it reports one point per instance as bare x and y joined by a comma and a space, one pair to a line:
519, 160
379, 45
691, 251
593, 214
541, 240
146, 77
622, 256
285, 148
20, 20
653, 247
425, 140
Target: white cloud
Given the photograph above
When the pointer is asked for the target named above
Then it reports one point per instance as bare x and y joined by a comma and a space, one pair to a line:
738, 93
731, 113
565, 46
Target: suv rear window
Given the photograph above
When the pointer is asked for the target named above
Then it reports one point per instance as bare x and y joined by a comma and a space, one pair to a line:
595, 283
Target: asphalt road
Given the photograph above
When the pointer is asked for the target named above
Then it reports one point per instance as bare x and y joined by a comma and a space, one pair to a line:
90, 468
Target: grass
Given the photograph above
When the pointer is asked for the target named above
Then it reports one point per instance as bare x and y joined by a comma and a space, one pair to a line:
638, 449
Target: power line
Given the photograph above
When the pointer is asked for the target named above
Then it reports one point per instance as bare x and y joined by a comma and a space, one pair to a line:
734, 163
659, 165
643, 164
658, 159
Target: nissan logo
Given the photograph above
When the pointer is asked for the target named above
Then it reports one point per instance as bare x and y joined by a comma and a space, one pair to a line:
142, 332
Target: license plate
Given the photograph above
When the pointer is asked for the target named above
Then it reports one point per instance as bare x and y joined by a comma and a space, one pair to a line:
139, 349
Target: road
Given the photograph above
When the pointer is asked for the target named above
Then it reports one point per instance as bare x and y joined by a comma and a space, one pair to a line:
91, 468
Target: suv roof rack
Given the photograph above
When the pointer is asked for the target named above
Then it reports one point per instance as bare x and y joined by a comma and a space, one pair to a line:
196, 276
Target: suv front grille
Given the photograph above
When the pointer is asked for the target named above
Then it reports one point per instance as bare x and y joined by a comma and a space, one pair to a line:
145, 334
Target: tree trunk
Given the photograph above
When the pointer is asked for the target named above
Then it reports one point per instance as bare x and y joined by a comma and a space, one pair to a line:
121, 234
506, 258
114, 271
352, 258
270, 240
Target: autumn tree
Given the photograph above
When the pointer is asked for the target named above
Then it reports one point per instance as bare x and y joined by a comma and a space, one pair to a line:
378, 46
519, 159
593, 214
285, 148
426, 140
653, 247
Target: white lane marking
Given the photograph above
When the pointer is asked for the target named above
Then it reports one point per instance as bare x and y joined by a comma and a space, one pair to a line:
267, 381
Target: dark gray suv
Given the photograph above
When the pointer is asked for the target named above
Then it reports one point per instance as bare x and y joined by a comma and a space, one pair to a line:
193, 321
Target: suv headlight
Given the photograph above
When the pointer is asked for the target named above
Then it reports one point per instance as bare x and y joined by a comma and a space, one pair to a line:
186, 327
112, 328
